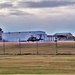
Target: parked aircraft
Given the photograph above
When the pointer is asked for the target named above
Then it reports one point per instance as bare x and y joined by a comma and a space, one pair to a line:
32, 38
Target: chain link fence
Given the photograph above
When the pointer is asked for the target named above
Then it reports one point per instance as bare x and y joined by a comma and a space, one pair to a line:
37, 48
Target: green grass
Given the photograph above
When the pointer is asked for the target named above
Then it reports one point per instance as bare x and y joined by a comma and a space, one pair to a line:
37, 74
34, 64
43, 63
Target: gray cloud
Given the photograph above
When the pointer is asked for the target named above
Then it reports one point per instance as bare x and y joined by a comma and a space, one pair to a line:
43, 4
50, 24
18, 13
6, 5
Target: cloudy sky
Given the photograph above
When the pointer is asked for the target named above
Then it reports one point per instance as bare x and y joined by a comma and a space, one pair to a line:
51, 16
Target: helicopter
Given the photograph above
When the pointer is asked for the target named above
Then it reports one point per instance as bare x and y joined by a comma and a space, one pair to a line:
32, 38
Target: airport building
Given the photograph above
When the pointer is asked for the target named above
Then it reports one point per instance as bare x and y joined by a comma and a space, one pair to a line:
34, 36
24, 36
64, 36
50, 37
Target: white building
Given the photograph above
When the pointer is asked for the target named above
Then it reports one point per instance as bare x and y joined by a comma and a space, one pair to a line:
50, 38
23, 36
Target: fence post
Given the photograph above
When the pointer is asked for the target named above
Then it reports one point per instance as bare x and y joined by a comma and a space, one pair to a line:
56, 46
37, 48
4, 47
19, 46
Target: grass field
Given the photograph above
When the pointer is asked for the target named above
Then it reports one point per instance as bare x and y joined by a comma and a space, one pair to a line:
45, 63
37, 48
37, 74
37, 64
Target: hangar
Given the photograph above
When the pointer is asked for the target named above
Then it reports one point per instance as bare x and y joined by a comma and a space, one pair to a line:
23, 36
33, 36
64, 36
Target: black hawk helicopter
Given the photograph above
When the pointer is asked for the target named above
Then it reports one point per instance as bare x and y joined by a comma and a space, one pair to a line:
32, 38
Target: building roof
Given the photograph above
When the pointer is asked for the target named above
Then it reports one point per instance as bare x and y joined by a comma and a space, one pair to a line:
25, 32
66, 34
50, 36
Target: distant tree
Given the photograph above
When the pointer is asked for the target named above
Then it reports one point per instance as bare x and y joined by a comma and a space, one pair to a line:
0, 29
1, 33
